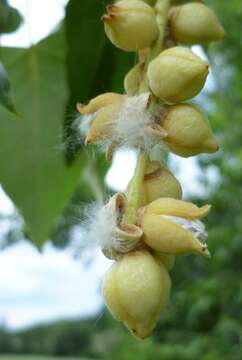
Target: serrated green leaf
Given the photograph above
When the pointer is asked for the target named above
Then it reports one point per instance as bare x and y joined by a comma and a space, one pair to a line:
33, 170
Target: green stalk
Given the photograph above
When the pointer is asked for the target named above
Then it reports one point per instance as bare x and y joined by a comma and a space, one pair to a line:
134, 190
162, 9
133, 197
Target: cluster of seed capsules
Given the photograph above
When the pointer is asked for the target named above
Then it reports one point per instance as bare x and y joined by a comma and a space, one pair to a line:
152, 114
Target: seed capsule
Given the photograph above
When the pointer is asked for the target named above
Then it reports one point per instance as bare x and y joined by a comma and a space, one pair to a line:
136, 289
103, 110
131, 25
172, 227
177, 74
179, 208
99, 102
159, 182
195, 23
102, 126
132, 80
188, 131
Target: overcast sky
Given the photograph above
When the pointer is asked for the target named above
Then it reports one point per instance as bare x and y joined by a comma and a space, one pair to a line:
37, 287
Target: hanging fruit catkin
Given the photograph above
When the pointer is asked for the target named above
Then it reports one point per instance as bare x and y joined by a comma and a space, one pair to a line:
143, 230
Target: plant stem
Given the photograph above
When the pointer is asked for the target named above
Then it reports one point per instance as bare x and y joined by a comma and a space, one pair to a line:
133, 197
162, 9
134, 190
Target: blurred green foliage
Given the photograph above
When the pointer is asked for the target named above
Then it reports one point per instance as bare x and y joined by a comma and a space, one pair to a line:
204, 319
35, 357
10, 18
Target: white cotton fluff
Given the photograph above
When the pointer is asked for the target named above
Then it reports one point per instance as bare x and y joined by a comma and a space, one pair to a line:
196, 227
134, 127
102, 225
99, 225
83, 123
135, 122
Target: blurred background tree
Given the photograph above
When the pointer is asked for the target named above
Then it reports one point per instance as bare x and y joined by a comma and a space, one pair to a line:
74, 64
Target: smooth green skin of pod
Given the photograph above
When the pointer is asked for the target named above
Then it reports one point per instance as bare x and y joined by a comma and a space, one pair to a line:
177, 74
132, 80
100, 102
159, 182
103, 124
195, 23
175, 207
135, 290
188, 131
168, 237
131, 25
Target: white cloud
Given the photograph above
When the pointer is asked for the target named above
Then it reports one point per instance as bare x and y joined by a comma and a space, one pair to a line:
122, 169
37, 287
188, 173
40, 17
6, 205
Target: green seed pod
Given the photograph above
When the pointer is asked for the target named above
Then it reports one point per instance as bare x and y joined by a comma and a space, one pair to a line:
175, 207
159, 182
172, 227
177, 74
188, 131
131, 25
195, 23
132, 80
100, 102
104, 109
103, 124
136, 289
